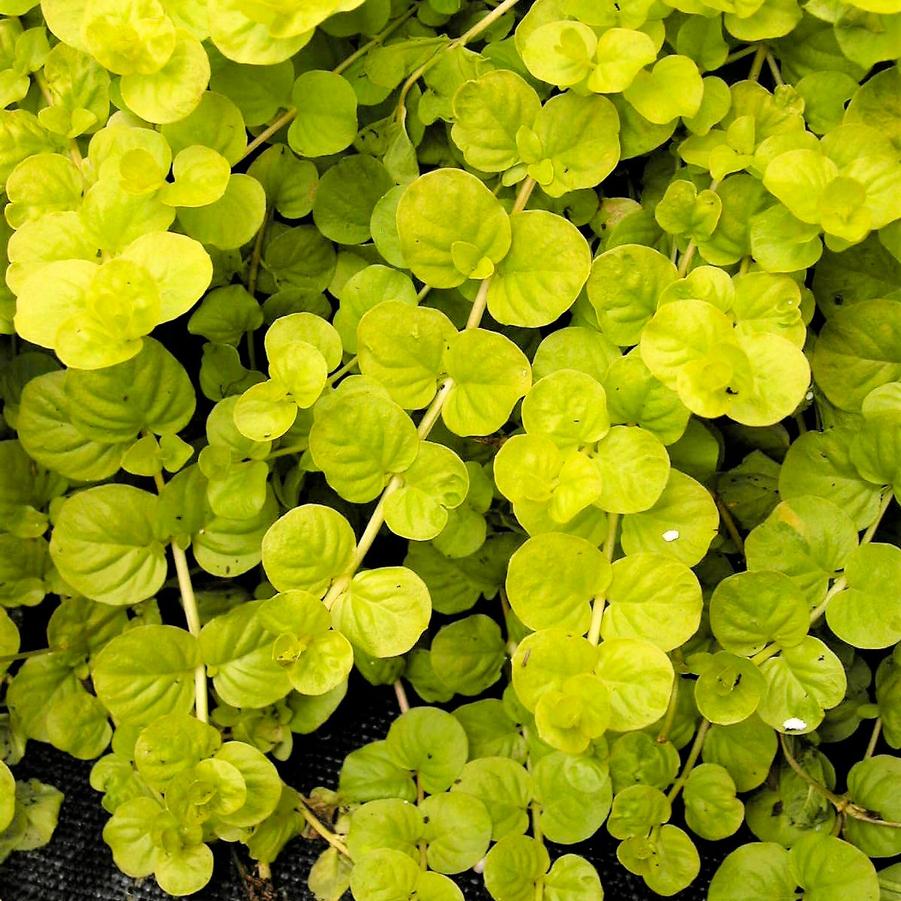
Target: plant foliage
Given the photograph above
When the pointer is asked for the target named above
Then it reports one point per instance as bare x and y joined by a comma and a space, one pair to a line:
593, 306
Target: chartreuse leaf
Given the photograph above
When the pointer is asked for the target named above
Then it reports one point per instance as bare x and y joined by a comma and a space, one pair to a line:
387, 873
457, 831
623, 288
514, 866
752, 609
654, 598
230, 221
568, 406
346, 196
875, 784
543, 273
728, 689
822, 866
574, 144
505, 789
147, 672
315, 659
7, 796
634, 468
489, 374
488, 113
667, 860
672, 88
746, 749
681, 524
451, 228
403, 347
238, 652
801, 684
308, 548
574, 794
104, 544
384, 611
326, 120
569, 717
866, 614
172, 744
639, 677
359, 441
553, 578
807, 538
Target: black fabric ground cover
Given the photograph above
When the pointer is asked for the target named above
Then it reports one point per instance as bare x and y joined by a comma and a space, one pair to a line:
78, 866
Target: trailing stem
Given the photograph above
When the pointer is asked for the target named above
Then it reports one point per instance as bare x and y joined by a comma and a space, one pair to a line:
690, 761
322, 830
429, 418
600, 601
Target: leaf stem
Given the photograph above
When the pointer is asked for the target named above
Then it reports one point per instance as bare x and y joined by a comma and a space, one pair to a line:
874, 739
600, 600
774, 69
729, 523
688, 256
401, 694
670, 715
25, 655
462, 41
690, 761
838, 585
192, 616
253, 274
287, 117
816, 786
740, 54
426, 424
757, 62
321, 830
347, 367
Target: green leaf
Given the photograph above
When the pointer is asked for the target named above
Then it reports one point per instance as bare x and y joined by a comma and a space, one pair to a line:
545, 660
104, 544
819, 464
488, 113
654, 598
543, 273
326, 119
866, 613
514, 867
430, 743
503, 786
467, 655
403, 348
801, 684
569, 407
681, 524
623, 288
446, 220
553, 578
753, 609
807, 538
237, 650
754, 871
150, 392
875, 785
857, 352
489, 374
147, 672
173, 744
346, 197
672, 88
359, 441
384, 611
574, 794
457, 831
639, 677
308, 548
560, 53
711, 809
634, 468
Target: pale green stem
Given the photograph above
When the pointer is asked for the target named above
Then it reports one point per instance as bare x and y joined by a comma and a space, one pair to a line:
757, 62
774, 69
461, 41
688, 256
690, 761
287, 117
401, 693
874, 738
321, 830
600, 600
663, 735
192, 615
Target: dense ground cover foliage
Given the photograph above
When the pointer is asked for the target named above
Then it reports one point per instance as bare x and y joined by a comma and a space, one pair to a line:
593, 306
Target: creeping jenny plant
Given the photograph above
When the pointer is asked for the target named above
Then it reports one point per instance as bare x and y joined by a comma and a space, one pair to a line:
594, 305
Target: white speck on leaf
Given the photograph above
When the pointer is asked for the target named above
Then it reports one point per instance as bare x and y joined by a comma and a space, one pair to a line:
793, 724
670, 534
